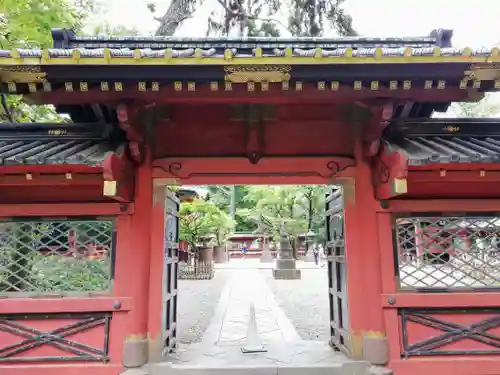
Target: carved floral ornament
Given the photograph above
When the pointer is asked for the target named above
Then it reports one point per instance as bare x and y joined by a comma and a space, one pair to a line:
483, 72
21, 74
258, 74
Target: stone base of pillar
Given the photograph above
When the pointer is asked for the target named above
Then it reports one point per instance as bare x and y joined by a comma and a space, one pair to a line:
135, 352
285, 264
285, 268
286, 274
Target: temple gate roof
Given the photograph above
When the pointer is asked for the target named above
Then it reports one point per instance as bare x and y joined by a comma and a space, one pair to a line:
151, 63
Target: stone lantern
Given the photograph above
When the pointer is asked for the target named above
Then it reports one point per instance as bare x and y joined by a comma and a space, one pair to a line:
285, 267
310, 237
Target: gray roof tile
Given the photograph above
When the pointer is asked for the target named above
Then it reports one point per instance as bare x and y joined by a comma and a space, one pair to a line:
36, 152
66, 42
212, 52
450, 149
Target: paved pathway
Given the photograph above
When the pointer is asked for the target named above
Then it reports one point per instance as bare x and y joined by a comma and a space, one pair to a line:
231, 318
226, 334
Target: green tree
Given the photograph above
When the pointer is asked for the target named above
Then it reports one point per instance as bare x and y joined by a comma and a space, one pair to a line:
278, 206
28, 24
221, 196
224, 226
314, 202
200, 219
299, 208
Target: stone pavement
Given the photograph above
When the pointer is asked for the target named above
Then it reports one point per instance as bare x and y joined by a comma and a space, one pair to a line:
229, 324
222, 342
254, 263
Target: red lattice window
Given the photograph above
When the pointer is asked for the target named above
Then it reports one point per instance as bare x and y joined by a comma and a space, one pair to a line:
442, 252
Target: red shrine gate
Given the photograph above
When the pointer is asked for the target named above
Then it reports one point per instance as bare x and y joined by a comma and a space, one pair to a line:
90, 232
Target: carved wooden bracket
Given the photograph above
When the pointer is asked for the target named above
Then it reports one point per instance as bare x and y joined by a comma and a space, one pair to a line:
372, 132
118, 174
390, 172
135, 134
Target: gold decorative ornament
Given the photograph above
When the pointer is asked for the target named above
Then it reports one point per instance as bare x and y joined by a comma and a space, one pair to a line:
482, 72
84, 86
451, 129
258, 74
57, 132
12, 87
21, 73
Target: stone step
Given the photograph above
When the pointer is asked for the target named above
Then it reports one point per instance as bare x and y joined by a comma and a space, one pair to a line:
348, 368
352, 368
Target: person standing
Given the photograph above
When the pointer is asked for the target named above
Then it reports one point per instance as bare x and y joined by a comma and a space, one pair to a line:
322, 255
316, 254
244, 249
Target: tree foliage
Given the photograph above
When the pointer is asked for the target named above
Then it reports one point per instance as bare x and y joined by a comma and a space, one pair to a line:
200, 219
221, 197
28, 24
297, 209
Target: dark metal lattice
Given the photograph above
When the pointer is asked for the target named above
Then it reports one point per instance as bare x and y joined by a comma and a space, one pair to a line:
56, 256
452, 333
170, 271
197, 271
60, 338
443, 252
337, 270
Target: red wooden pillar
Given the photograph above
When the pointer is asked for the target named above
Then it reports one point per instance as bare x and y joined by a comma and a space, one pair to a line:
364, 283
132, 268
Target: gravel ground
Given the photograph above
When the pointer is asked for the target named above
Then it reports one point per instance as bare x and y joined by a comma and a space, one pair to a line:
197, 302
304, 302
